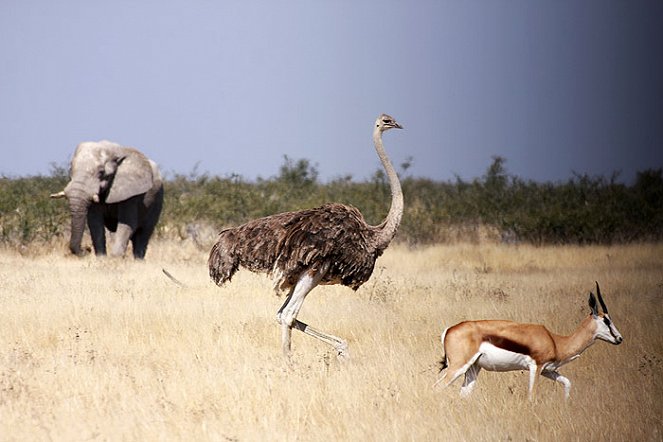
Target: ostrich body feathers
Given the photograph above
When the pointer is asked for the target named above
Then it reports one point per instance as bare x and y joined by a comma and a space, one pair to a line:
287, 244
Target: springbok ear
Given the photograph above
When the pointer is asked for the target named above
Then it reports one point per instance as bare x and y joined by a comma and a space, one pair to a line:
592, 304
598, 293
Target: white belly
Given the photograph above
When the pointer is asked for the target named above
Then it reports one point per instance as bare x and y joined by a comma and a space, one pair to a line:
496, 359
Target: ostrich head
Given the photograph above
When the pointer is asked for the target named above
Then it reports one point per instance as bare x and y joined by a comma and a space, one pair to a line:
385, 122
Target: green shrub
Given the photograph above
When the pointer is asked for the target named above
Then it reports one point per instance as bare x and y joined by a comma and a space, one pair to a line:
582, 210
27, 213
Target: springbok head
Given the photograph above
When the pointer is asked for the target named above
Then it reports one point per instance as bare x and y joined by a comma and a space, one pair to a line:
605, 328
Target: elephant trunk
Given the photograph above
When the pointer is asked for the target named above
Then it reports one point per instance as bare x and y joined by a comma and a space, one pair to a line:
79, 203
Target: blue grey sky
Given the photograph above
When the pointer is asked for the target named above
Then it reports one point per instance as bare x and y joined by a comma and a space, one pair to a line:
554, 86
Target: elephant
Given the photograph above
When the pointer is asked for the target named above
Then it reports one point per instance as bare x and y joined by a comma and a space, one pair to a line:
115, 187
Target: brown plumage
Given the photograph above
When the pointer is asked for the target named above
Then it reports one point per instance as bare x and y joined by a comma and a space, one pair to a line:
287, 244
330, 244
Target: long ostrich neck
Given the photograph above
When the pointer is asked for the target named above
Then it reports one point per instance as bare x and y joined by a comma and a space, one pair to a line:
389, 226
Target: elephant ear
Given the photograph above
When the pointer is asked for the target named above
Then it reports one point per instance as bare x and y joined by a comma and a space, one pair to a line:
133, 176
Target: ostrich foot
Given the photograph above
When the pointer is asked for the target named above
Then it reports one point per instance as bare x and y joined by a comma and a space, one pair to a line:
339, 344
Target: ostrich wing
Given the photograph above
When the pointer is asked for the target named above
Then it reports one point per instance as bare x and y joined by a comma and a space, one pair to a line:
288, 244
335, 234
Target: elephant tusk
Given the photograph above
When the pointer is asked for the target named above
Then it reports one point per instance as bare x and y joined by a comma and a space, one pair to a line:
95, 197
58, 195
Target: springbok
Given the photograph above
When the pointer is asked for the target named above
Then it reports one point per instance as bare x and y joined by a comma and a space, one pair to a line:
497, 345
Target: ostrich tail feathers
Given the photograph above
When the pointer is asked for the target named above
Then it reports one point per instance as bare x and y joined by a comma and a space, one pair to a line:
222, 262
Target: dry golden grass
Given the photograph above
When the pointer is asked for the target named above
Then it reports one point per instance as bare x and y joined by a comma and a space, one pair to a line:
113, 350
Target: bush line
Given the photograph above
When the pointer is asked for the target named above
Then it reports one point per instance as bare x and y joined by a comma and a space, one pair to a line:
582, 210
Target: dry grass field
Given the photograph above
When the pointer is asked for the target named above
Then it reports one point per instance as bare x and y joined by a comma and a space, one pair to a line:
102, 349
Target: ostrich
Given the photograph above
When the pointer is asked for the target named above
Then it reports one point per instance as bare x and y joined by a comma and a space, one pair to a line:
330, 244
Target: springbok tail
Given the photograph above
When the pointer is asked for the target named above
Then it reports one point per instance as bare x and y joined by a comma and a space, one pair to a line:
443, 366
444, 363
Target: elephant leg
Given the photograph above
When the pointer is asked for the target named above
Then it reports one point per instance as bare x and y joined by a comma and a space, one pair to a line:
121, 239
127, 220
139, 243
149, 216
95, 222
140, 239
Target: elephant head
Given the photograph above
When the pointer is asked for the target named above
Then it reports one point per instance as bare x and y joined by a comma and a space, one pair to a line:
102, 172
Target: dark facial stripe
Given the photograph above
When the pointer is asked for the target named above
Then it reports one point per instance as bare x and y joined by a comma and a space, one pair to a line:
608, 322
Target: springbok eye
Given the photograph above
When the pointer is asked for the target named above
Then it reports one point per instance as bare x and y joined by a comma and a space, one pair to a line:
606, 321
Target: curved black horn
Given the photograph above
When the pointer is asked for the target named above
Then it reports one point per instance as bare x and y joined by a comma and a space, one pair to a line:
598, 292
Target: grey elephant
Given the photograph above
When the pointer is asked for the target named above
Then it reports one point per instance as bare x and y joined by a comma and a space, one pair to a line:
115, 187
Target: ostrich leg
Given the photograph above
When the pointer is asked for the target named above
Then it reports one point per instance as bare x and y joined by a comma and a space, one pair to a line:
339, 344
287, 315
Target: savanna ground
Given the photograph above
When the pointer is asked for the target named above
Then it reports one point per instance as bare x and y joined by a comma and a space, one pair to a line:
103, 349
